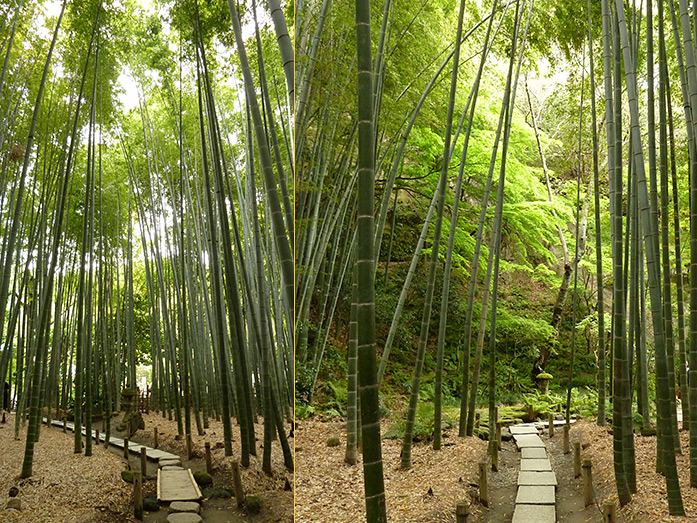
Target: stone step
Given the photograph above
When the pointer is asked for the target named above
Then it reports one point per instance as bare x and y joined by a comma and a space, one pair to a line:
185, 506
533, 453
177, 485
528, 440
535, 495
535, 465
534, 514
527, 477
184, 517
523, 429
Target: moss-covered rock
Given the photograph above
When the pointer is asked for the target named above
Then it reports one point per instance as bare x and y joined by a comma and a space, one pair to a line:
253, 504
203, 478
127, 476
150, 504
333, 442
216, 493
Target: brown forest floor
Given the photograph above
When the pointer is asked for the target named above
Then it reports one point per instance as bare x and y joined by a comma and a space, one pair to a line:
68, 487
329, 490
65, 487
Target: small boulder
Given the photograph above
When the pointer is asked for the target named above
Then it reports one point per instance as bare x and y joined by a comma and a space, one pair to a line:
253, 504
216, 493
333, 442
184, 517
203, 478
15, 503
13, 492
150, 504
127, 476
185, 506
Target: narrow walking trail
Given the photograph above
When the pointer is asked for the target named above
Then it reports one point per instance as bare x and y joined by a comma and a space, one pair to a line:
536, 498
175, 484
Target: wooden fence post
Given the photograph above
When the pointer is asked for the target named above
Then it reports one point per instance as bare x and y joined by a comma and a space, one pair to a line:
65, 425
143, 461
498, 434
125, 448
155, 444
96, 436
209, 463
462, 511
189, 447
550, 420
577, 459
483, 484
237, 483
138, 495
609, 512
587, 482
566, 439
477, 419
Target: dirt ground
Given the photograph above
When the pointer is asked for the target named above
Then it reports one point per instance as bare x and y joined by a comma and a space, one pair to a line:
68, 487
275, 491
65, 487
329, 490
650, 502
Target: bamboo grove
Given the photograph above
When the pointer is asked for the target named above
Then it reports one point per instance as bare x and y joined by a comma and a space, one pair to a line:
361, 130
157, 234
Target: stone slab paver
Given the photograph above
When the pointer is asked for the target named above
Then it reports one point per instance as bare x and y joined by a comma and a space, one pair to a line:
165, 462
534, 514
152, 454
185, 506
523, 429
184, 517
535, 495
172, 467
533, 453
528, 440
527, 477
535, 464
177, 485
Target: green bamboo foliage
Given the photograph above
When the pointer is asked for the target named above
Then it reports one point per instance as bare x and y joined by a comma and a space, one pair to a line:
598, 244
34, 413
650, 228
365, 276
426, 317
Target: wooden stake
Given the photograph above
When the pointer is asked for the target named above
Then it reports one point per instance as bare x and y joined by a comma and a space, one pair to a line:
566, 439
143, 461
609, 512
155, 444
587, 482
189, 447
65, 426
498, 434
577, 459
477, 419
462, 511
494, 451
550, 420
96, 436
209, 463
483, 484
138, 495
237, 483
125, 448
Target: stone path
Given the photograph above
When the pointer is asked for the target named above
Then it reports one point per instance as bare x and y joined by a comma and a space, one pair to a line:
175, 484
152, 454
536, 499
